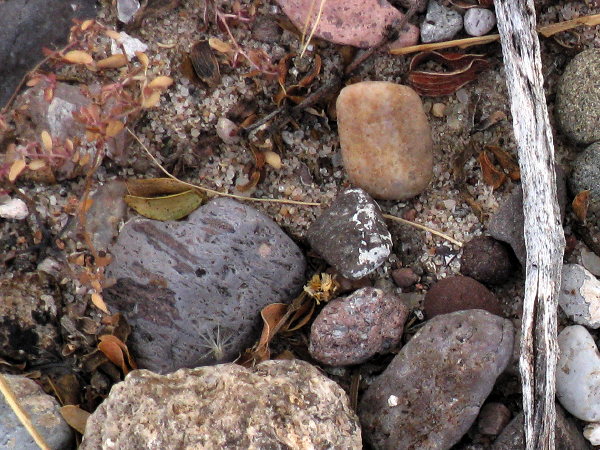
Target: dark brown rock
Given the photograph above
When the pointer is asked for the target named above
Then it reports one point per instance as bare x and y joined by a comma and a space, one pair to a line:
404, 277
487, 260
430, 394
492, 419
193, 290
458, 293
275, 405
350, 330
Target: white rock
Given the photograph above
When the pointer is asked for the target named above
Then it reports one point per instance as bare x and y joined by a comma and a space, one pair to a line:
227, 130
579, 295
14, 209
590, 261
479, 21
578, 373
592, 433
441, 23
130, 44
126, 9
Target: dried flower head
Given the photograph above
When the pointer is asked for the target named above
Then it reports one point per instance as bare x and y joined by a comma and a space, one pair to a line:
322, 287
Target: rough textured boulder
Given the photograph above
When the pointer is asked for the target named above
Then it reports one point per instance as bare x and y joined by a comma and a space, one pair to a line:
277, 404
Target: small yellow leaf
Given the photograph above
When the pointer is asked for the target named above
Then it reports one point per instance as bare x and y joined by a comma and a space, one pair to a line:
169, 207
113, 35
141, 56
155, 187
37, 164
86, 24
16, 168
273, 159
114, 127
112, 62
219, 45
78, 57
98, 301
161, 82
152, 100
46, 141
75, 417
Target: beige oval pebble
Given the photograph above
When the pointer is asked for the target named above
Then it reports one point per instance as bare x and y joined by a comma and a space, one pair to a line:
385, 138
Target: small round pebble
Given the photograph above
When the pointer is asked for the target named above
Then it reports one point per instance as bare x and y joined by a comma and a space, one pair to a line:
492, 419
586, 176
441, 23
487, 260
578, 98
438, 110
479, 21
459, 293
404, 277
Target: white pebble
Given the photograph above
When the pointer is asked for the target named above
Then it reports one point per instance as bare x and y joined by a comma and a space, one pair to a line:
14, 209
479, 21
130, 44
592, 433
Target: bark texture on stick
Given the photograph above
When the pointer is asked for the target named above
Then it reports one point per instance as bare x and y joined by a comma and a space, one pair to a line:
544, 238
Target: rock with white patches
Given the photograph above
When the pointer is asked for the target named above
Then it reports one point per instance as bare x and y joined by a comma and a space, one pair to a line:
351, 234
579, 295
352, 329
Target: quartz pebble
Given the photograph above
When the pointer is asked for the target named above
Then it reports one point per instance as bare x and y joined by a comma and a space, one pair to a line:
592, 433
385, 139
350, 330
578, 373
487, 260
274, 405
479, 21
438, 110
492, 419
430, 394
586, 176
579, 295
13, 208
351, 234
126, 10
441, 23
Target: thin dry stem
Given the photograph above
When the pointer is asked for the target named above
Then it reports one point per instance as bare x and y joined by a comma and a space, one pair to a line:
314, 27
14, 404
424, 228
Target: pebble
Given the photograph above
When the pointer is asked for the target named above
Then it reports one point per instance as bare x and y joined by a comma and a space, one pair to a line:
431, 393
579, 295
130, 44
578, 373
492, 419
351, 330
405, 277
438, 110
568, 436
592, 433
487, 260
479, 21
458, 293
385, 139
590, 261
277, 404
441, 23
13, 208
42, 409
578, 98
586, 176
126, 10
351, 234
193, 290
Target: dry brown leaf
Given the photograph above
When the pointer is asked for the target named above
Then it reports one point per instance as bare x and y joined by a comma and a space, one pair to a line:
220, 46
141, 56
46, 141
115, 340
112, 62
114, 353
37, 164
580, 205
99, 303
114, 127
491, 175
155, 187
78, 57
506, 161
16, 168
75, 417
161, 82
151, 100
273, 159
254, 179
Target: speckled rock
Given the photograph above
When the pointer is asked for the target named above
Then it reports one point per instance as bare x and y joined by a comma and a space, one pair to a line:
578, 98
430, 394
579, 295
568, 437
351, 234
441, 23
508, 223
458, 293
185, 285
43, 410
586, 176
350, 330
30, 307
360, 23
492, 418
487, 260
578, 373
385, 139
479, 21
277, 404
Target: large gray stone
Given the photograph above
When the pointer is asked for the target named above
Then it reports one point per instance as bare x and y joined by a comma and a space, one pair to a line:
431, 393
193, 290
42, 409
275, 405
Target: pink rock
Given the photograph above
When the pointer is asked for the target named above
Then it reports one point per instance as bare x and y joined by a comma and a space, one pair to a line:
360, 23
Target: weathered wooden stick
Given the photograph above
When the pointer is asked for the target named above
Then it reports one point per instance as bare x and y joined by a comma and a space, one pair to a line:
544, 238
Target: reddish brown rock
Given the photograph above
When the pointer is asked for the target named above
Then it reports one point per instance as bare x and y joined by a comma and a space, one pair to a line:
404, 277
385, 138
487, 260
459, 293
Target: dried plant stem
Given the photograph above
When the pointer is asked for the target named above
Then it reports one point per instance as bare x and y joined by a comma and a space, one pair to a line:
281, 200
314, 27
14, 404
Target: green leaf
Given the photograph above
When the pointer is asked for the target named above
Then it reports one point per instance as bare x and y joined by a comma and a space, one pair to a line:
168, 207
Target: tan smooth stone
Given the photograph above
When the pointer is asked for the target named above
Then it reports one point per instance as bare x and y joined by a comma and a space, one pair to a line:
385, 138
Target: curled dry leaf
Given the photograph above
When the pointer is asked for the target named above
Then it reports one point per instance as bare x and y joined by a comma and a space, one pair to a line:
580, 205
78, 57
99, 303
75, 417
155, 187
117, 352
491, 175
506, 161
161, 82
114, 127
112, 62
16, 168
151, 100
464, 68
168, 207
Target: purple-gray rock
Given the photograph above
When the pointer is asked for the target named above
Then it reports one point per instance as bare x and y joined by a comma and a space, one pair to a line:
568, 437
487, 260
42, 409
508, 223
350, 330
492, 419
351, 234
280, 404
404, 277
193, 290
431, 393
